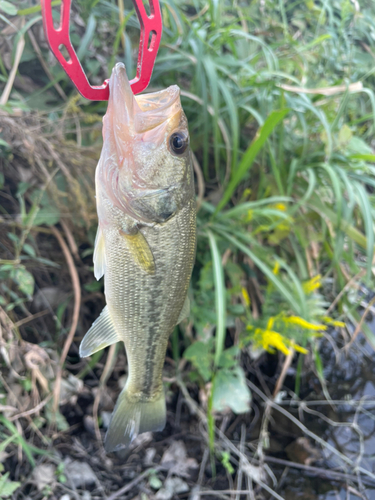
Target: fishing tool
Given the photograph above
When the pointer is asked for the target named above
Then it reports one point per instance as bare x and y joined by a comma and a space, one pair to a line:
59, 38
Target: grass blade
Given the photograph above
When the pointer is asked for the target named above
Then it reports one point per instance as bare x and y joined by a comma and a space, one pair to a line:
220, 296
265, 270
250, 154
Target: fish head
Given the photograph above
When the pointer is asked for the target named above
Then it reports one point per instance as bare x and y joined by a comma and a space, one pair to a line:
146, 145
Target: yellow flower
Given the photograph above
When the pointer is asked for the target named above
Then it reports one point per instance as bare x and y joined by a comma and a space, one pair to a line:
280, 206
311, 285
298, 348
333, 322
296, 320
270, 323
249, 216
245, 296
276, 268
246, 194
271, 340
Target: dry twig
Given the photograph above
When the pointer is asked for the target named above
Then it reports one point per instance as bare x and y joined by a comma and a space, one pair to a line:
359, 326
12, 75
107, 370
336, 89
77, 303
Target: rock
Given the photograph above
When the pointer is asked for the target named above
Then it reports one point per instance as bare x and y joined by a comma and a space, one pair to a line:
149, 456
79, 474
43, 475
195, 493
89, 424
175, 458
163, 494
106, 418
172, 486
141, 440
177, 485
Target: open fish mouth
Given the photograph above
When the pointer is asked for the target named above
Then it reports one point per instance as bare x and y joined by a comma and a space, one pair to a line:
144, 112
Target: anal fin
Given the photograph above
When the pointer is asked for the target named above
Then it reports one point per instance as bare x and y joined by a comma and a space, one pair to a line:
101, 334
185, 311
141, 251
99, 255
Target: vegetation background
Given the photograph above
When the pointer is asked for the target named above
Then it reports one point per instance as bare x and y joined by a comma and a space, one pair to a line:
270, 382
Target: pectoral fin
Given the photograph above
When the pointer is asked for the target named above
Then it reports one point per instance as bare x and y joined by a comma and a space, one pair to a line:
140, 250
101, 335
185, 311
99, 255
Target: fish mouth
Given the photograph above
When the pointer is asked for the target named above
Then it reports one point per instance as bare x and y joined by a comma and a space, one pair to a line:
144, 112
158, 108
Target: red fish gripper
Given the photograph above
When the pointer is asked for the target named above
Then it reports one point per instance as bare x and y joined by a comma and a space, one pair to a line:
151, 31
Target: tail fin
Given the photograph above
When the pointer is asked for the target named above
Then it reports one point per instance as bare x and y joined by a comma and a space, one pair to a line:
130, 418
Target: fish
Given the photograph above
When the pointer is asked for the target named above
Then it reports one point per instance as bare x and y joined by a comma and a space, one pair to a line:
145, 245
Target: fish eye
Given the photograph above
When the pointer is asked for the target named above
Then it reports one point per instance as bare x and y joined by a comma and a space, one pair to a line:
178, 142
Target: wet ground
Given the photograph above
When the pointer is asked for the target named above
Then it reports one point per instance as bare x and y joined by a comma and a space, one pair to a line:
320, 446
347, 423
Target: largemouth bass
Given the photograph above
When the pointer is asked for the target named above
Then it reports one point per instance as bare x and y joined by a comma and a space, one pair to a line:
145, 245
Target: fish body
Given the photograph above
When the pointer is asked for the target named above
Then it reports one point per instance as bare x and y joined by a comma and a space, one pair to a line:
145, 245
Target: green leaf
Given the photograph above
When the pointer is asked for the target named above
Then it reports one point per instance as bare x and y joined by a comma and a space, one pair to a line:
8, 8
29, 250
230, 391
251, 153
275, 280
94, 286
24, 280
364, 157
220, 297
87, 37
155, 482
225, 460
345, 135
7, 488
365, 206
48, 215
200, 355
36, 8
228, 357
